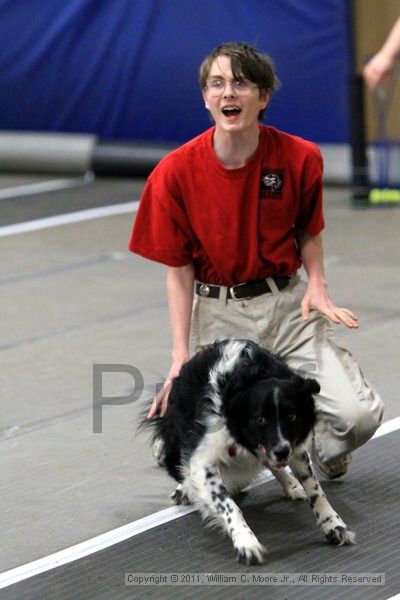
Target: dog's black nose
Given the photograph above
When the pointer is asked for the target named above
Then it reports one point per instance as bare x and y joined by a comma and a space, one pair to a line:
282, 450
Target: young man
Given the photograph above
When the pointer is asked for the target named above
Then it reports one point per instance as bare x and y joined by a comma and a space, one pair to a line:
234, 213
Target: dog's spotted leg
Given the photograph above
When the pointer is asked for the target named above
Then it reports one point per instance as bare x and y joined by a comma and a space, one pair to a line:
212, 498
291, 487
334, 529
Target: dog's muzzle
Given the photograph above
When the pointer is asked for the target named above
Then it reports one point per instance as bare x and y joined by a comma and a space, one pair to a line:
278, 456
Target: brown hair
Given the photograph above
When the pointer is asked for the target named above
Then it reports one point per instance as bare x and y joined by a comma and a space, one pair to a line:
246, 62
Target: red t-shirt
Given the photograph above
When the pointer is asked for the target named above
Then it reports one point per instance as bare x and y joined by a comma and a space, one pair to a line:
235, 225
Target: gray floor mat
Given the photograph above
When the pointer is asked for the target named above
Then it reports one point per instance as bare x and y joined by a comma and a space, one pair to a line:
367, 499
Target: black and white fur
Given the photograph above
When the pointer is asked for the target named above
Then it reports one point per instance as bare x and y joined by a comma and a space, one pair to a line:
233, 410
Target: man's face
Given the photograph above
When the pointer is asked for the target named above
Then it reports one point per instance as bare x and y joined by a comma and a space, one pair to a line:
233, 110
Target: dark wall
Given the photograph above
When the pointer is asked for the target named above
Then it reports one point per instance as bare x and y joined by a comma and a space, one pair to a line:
128, 68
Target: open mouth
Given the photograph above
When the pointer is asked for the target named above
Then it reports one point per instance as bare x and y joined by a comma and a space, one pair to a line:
278, 464
231, 112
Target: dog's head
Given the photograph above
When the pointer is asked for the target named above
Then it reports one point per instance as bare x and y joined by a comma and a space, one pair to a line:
271, 416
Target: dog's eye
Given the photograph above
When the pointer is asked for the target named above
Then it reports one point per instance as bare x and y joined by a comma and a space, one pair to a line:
292, 418
260, 420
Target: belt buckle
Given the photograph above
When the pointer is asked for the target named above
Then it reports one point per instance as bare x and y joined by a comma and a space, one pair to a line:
233, 293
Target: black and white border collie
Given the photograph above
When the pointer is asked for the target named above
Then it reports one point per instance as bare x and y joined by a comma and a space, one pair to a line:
235, 409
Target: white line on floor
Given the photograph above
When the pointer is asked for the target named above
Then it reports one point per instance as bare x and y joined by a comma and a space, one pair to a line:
66, 219
93, 545
125, 532
387, 427
45, 186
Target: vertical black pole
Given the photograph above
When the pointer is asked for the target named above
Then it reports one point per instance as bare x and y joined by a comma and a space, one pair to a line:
360, 182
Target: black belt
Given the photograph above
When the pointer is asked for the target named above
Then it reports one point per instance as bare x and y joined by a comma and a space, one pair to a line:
241, 291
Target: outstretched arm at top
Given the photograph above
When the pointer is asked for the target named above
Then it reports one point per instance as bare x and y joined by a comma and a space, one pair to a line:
379, 68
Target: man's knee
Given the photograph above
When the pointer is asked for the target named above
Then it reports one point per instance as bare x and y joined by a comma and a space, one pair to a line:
361, 420
369, 418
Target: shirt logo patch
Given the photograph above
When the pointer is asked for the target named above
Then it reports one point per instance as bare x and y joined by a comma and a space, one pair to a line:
271, 183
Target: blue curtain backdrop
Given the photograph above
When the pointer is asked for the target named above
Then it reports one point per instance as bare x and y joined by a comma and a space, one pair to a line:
127, 69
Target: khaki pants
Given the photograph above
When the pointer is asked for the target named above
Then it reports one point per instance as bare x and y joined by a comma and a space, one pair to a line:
349, 410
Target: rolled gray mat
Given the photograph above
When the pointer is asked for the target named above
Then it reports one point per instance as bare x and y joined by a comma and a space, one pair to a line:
129, 159
46, 152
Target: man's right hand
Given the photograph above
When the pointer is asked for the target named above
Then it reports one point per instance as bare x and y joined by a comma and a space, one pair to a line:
160, 402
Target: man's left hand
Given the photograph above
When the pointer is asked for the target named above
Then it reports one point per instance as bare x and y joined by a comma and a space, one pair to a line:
317, 298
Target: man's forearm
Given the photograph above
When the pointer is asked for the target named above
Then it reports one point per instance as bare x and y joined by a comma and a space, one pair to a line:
312, 255
316, 296
180, 281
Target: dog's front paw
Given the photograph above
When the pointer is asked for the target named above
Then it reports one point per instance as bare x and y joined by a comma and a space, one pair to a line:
340, 535
249, 551
295, 492
179, 497
250, 557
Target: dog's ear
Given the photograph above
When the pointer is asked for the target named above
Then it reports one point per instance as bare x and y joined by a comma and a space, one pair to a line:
243, 376
311, 386
307, 403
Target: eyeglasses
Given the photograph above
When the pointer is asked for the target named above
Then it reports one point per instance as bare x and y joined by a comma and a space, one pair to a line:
240, 86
